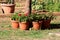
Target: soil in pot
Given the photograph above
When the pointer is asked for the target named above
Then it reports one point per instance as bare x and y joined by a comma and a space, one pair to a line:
24, 25
15, 24
46, 24
37, 25
8, 8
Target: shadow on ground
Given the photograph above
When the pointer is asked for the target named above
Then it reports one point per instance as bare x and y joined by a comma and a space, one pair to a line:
55, 26
52, 26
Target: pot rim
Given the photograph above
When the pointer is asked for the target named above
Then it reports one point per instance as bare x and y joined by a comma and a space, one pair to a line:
47, 20
40, 21
13, 21
35, 22
7, 4
23, 22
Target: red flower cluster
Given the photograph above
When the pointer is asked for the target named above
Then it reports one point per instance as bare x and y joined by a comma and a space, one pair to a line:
19, 14
26, 14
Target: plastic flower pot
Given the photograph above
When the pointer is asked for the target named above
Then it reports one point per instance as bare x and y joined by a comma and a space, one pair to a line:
24, 25
36, 25
40, 22
46, 24
15, 24
8, 8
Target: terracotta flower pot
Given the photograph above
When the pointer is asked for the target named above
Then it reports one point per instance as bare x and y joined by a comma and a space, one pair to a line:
24, 25
36, 25
15, 24
8, 8
46, 24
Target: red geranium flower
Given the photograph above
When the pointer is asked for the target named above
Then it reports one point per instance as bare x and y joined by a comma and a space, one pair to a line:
19, 14
26, 14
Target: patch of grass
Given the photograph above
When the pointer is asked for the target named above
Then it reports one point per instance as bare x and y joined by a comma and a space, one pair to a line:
29, 34
16, 34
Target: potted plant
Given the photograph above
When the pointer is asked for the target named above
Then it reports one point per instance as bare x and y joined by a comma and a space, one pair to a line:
14, 21
36, 6
46, 20
36, 21
23, 22
8, 7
